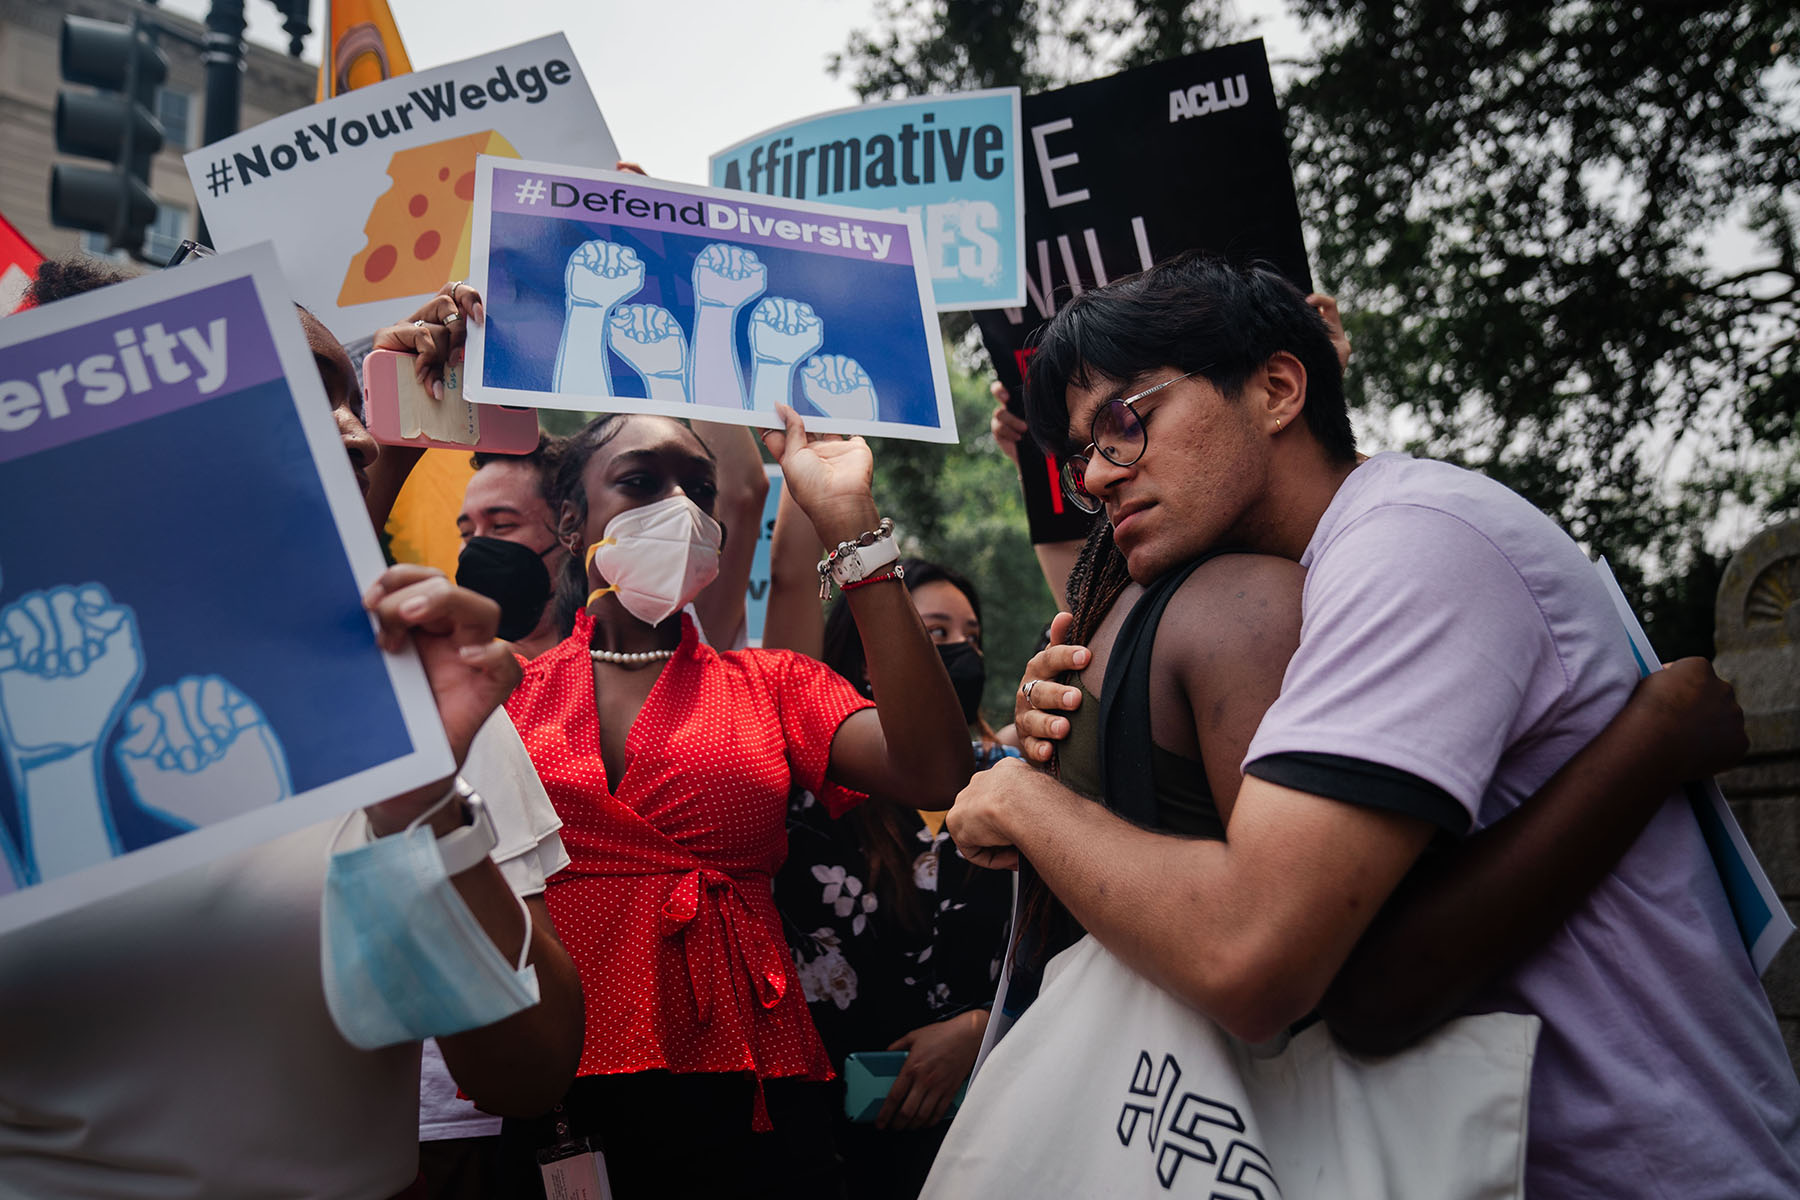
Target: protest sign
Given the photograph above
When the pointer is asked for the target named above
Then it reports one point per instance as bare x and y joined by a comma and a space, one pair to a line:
367, 197
190, 674
610, 292
756, 598
1126, 171
953, 160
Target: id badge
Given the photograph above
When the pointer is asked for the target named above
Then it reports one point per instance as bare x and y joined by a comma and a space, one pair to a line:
574, 1171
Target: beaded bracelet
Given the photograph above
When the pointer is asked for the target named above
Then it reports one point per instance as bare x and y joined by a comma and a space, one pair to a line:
828, 564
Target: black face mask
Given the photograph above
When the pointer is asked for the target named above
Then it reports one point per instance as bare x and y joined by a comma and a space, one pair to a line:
968, 675
512, 575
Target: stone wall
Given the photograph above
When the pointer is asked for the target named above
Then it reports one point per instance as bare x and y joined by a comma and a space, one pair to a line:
1758, 649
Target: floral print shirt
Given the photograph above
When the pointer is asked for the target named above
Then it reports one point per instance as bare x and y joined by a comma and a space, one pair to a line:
868, 979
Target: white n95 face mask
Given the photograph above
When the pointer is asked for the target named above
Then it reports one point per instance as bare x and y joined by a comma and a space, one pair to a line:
657, 558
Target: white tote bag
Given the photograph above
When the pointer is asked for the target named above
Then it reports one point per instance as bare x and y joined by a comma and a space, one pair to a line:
1109, 1086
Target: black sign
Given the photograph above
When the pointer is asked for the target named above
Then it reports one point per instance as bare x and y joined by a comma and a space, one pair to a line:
1126, 171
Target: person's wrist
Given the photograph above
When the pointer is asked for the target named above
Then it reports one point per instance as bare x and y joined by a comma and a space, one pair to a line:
846, 520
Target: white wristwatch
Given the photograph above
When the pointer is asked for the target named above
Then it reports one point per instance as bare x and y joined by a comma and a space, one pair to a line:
467, 844
863, 561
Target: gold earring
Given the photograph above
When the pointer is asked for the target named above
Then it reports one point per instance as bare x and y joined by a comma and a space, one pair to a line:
1277, 424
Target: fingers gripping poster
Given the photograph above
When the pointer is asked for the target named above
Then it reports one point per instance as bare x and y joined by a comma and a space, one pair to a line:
188, 675
611, 292
368, 197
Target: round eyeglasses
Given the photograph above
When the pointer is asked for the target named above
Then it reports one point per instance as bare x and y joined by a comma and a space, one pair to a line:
1118, 434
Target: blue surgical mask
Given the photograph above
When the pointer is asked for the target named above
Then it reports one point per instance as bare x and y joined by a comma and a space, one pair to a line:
404, 958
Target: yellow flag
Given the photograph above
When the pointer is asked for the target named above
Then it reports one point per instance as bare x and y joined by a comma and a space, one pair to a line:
362, 46
422, 526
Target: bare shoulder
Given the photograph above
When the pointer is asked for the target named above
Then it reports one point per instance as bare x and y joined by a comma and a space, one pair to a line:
1233, 605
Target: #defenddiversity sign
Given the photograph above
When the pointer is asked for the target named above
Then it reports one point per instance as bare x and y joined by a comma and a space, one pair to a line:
953, 160
611, 292
368, 197
168, 698
1126, 171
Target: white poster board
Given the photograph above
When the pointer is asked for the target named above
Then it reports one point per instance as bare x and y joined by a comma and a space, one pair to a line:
367, 197
186, 669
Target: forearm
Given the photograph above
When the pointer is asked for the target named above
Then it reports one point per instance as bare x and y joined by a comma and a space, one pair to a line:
928, 756
717, 377
582, 362
794, 619
1056, 560
1165, 906
743, 489
1469, 914
521, 1066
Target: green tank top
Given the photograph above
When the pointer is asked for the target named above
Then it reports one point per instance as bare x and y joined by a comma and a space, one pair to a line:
1184, 798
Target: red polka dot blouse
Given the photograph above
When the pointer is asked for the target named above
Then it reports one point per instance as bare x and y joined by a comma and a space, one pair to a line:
666, 906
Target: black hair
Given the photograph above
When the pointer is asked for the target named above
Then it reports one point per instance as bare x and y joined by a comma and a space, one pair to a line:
574, 453
545, 459
73, 275
1196, 312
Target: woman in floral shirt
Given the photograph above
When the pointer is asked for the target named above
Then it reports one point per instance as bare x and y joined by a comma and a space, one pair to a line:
898, 941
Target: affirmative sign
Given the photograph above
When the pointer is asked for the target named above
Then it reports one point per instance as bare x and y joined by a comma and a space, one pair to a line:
611, 292
953, 160
1126, 171
184, 676
368, 197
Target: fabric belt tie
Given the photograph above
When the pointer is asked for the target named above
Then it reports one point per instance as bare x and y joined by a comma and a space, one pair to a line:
709, 947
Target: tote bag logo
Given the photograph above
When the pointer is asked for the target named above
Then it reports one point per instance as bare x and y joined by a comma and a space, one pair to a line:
1179, 1126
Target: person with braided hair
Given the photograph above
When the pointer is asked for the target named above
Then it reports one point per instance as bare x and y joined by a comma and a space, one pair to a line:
1372, 682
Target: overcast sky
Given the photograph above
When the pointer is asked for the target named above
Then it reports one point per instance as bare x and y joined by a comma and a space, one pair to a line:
676, 79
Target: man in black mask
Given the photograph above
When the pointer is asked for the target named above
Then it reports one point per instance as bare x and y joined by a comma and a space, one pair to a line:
510, 552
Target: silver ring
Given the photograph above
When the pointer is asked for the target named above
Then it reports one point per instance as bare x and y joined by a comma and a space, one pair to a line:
455, 316
453, 286
419, 324
1025, 691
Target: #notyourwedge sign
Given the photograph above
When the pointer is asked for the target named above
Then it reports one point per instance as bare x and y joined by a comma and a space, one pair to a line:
155, 714
953, 160
1126, 171
368, 197
610, 292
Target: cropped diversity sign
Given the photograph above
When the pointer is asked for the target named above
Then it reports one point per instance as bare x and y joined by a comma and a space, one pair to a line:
611, 292
169, 697
1126, 171
368, 197
952, 160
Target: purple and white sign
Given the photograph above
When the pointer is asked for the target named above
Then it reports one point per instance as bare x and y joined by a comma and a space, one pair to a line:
185, 666
611, 292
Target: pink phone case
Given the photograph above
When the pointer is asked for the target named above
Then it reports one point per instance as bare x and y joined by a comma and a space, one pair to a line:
400, 412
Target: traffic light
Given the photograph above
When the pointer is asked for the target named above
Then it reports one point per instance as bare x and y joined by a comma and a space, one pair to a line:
116, 123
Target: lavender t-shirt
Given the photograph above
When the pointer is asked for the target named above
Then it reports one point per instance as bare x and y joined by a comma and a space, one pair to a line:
1452, 631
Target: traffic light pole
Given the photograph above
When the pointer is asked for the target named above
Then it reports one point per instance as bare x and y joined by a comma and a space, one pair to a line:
224, 68
128, 150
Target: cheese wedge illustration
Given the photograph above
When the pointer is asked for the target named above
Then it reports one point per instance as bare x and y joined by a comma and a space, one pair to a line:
418, 232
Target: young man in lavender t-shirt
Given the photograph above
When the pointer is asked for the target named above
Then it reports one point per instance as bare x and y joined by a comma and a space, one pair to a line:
1456, 649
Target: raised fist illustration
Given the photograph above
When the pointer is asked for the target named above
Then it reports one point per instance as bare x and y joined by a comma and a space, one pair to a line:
728, 275
601, 274
838, 387
199, 751
650, 338
782, 333
725, 279
68, 658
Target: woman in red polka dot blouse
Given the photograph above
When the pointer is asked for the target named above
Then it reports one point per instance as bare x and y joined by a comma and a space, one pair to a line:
670, 764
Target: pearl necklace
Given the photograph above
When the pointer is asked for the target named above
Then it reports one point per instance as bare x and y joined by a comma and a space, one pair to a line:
630, 658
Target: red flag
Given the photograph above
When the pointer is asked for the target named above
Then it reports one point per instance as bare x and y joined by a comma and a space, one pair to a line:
19, 260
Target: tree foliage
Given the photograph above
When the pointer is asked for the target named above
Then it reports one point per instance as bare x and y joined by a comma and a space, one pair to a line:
1522, 208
